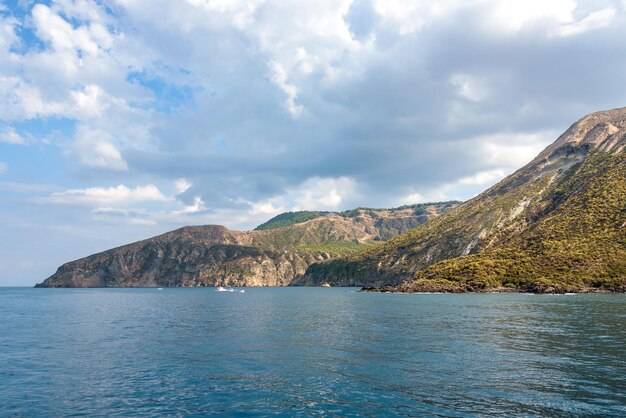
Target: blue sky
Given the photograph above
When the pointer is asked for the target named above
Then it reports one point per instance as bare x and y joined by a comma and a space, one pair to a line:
123, 119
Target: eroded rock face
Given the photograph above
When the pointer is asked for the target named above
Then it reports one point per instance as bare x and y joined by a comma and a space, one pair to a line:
509, 230
216, 256
605, 131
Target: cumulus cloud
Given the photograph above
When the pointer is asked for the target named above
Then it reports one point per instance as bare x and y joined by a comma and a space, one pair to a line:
142, 205
118, 195
412, 199
279, 76
95, 148
483, 178
513, 16
182, 185
323, 193
469, 87
337, 89
512, 150
11, 136
595, 20
313, 194
237, 110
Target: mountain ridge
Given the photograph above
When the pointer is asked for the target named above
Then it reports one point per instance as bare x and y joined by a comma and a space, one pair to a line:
217, 256
445, 254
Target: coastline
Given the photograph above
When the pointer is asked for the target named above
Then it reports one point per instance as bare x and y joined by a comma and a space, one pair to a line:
538, 290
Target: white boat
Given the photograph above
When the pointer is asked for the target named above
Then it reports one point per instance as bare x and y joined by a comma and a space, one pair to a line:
223, 289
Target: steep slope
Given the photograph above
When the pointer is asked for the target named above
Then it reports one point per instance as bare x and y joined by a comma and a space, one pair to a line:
557, 224
214, 255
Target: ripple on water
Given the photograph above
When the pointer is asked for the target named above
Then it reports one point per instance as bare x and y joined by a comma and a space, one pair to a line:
309, 351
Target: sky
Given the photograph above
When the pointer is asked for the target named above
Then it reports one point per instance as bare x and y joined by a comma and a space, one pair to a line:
123, 119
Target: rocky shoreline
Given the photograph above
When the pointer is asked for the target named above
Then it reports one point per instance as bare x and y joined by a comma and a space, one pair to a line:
538, 289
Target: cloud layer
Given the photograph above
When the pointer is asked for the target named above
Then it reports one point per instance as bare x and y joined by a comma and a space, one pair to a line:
122, 120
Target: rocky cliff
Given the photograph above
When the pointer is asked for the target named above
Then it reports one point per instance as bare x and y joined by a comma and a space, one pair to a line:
557, 224
214, 255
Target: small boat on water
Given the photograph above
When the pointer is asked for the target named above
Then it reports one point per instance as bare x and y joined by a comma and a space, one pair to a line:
325, 284
223, 289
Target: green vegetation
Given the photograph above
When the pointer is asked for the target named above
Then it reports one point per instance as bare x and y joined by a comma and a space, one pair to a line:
580, 245
275, 254
556, 225
337, 248
293, 218
289, 218
418, 208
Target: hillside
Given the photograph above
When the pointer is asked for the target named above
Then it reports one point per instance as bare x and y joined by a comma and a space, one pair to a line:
214, 255
384, 216
558, 224
289, 218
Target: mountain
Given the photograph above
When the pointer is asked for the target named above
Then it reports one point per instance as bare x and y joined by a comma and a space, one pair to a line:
213, 255
556, 225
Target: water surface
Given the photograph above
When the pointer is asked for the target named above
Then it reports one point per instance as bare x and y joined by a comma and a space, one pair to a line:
309, 351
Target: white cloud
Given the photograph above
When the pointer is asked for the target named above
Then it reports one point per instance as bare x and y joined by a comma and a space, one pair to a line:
595, 20
241, 13
315, 193
182, 185
407, 17
197, 206
96, 148
279, 77
119, 195
470, 87
510, 150
8, 37
20, 100
482, 178
87, 39
269, 207
513, 15
412, 199
10, 135
322, 193
81, 74
89, 101
440, 194
503, 152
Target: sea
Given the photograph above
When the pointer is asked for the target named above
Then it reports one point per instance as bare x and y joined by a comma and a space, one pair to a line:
309, 352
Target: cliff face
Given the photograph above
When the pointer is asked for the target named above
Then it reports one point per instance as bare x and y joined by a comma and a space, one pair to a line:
557, 224
213, 255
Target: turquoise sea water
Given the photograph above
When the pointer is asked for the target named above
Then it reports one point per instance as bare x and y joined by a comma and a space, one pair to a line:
309, 351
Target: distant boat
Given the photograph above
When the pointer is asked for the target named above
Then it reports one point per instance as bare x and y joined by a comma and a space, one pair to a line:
242, 291
222, 289
160, 288
325, 284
